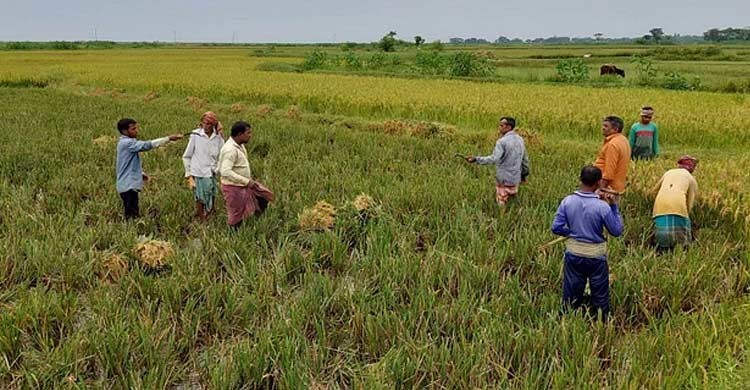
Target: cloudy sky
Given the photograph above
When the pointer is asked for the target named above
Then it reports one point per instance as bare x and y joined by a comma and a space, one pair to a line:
342, 20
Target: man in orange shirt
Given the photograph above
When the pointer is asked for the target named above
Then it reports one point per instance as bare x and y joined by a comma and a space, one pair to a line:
614, 156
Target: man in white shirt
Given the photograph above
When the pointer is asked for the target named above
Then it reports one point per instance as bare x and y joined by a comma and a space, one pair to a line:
243, 196
201, 160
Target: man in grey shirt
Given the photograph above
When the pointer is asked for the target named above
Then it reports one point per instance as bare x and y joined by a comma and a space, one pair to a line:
510, 159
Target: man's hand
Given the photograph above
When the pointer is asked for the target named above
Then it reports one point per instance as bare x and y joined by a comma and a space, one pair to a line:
191, 182
175, 137
609, 196
471, 159
219, 127
146, 177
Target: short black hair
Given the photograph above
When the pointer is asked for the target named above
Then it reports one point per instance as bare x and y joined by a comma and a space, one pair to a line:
647, 108
511, 121
124, 123
240, 127
616, 122
590, 175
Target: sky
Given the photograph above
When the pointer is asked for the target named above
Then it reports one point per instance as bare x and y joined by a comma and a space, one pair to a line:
342, 20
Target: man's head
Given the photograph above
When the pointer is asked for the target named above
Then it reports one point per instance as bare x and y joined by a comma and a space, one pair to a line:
128, 127
687, 162
611, 125
590, 177
506, 124
647, 113
209, 120
241, 132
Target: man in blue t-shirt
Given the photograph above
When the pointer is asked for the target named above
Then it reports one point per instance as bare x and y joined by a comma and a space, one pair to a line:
582, 217
128, 170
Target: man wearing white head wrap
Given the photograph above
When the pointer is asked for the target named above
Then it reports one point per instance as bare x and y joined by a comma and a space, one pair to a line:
201, 159
644, 136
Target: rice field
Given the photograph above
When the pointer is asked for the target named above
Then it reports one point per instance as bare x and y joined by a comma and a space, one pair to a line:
419, 282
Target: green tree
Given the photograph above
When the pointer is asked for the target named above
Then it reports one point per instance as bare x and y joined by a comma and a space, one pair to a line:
388, 42
657, 33
418, 40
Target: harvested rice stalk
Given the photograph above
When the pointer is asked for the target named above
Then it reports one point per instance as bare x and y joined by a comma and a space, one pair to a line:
293, 113
263, 111
113, 267
363, 202
153, 253
319, 217
237, 107
105, 140
150, 96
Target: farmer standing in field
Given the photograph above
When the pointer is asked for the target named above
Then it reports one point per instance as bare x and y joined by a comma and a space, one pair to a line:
613, 158
510, 159
242, 195
644, 136
130, 176
674, 201
201, 161
582, 218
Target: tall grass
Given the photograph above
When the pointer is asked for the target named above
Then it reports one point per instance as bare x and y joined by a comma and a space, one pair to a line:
435, 289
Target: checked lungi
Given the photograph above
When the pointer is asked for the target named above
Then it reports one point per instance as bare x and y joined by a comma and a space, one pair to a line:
504, 192
242, 202
205, 191
672, 230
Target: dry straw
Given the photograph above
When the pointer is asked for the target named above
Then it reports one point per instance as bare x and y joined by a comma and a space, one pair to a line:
363, 202
113, 267
319, 217
153, 253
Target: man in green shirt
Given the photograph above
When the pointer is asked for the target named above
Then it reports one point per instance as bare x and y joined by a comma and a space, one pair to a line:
644, 136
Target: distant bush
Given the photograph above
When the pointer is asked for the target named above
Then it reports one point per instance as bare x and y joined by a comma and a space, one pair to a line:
18, 46
351, 61
377, 61
695, 53
348, 46
572, 71
431, 62
645, 69
436, 46
467, 64
63, 45
315, 60
735, 86
675, 80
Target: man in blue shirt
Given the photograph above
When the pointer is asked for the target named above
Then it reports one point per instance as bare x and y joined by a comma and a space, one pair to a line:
130, 176
582, 218
510, 159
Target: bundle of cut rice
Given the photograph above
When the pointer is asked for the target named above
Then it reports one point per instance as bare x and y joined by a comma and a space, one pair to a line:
105, 140
363, 202
113, 267
153, 253
319, 217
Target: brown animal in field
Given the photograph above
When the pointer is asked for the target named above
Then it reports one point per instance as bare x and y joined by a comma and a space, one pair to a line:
611, 69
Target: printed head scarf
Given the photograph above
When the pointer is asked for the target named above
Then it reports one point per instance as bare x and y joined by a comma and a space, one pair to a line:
210, 117
687, 162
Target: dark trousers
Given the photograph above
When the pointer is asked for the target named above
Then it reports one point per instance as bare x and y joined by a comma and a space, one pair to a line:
579, 270
130, 203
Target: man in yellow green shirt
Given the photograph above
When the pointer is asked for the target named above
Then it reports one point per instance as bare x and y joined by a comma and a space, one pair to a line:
677, 190
644, 136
